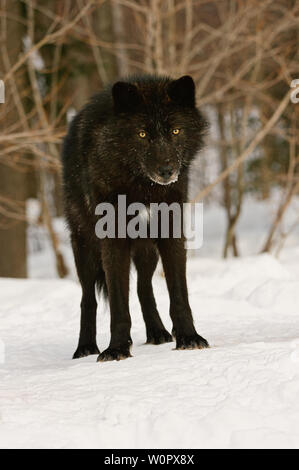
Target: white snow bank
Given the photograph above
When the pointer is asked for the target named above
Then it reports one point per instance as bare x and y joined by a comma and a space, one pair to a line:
242, 392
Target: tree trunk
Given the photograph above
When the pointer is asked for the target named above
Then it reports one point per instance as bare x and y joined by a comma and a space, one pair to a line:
12, 181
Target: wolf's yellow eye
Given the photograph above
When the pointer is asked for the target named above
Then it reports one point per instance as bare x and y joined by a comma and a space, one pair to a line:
142, 134
175, 131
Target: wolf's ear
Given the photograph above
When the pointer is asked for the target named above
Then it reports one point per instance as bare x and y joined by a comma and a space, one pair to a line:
182, 91
125, 96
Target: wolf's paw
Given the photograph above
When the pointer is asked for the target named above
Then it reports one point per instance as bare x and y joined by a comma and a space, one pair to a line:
115, 354
194, 341
158, 337
86, 350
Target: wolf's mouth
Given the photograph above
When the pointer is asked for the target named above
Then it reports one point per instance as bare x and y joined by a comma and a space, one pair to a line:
164, 181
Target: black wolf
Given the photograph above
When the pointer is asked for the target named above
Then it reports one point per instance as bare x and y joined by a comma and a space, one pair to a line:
136, 138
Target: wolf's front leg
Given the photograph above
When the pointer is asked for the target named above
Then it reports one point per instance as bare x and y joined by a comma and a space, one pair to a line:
89, 273
116, 264
173, 256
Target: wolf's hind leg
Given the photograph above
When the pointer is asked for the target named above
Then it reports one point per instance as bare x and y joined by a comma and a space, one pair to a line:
89, 271
145, 260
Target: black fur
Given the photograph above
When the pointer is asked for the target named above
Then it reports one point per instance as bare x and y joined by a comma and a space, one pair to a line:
104, 156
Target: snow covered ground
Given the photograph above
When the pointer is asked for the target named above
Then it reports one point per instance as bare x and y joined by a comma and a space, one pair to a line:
241, 393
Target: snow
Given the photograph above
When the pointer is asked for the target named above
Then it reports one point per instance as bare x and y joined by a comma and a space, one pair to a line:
241, 393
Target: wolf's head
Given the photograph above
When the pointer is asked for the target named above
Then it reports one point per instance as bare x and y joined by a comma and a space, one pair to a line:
159, 127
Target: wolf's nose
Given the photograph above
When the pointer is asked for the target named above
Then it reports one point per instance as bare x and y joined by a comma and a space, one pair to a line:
165, 171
